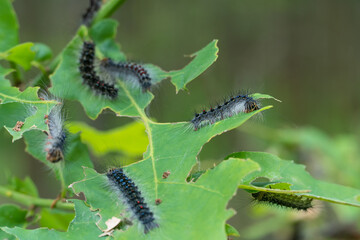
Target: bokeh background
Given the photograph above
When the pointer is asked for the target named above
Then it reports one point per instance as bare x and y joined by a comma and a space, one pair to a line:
305, 53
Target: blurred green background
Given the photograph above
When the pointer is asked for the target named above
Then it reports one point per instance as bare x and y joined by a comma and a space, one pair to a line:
305, 53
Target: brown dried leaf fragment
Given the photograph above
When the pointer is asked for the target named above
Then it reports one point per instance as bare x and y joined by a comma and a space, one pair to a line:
18, 126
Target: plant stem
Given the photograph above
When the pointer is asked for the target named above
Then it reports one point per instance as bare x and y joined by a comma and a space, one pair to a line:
62, 180
29, 200
107, 10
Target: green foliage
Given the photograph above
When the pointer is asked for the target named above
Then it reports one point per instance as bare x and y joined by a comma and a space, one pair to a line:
8, 26
11, 216
197, 202
101, 142
277, 170
22, 106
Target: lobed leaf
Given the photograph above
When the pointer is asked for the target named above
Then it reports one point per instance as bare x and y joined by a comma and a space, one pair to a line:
202, 60
174, 147
206, 218
23, 106
102, 142
281, 171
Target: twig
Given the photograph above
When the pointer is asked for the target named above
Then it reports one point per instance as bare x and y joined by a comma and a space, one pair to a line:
29, 200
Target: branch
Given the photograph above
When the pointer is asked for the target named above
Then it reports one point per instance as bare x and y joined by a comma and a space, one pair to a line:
30, 201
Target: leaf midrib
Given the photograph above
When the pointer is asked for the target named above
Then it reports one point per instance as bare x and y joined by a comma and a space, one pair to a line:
15, 99
146, 121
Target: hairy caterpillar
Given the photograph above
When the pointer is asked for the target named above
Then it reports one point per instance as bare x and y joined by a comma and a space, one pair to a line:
242, 103
88, 16
132, 196
284, 200
89, 74
128, 71
56, 140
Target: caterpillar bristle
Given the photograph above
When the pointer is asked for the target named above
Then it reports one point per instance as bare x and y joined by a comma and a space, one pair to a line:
133, 198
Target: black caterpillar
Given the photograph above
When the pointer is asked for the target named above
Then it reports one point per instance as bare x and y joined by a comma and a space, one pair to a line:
284, 200
132, 196
93, 8
89, 75
233, 106
128, 71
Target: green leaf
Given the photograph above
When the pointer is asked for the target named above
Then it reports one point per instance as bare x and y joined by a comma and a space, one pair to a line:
76, 156
8, 26
23, 106
131, 101
42, 52
278, 170
204, 221
102, 142
174, 147
11, 216
67, 83
82, 227
103, 33
203, 59
21, 54
231, 231
26, 186
56, 219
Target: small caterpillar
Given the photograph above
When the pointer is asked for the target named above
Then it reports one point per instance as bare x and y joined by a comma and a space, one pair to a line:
284, 200
89, 75
132, 196
88, 16
242, 103
56, 140
128, 71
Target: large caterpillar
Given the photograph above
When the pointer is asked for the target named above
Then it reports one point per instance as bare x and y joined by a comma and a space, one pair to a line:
242, 103
89, 74
128, 71
284, 200
132, 196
